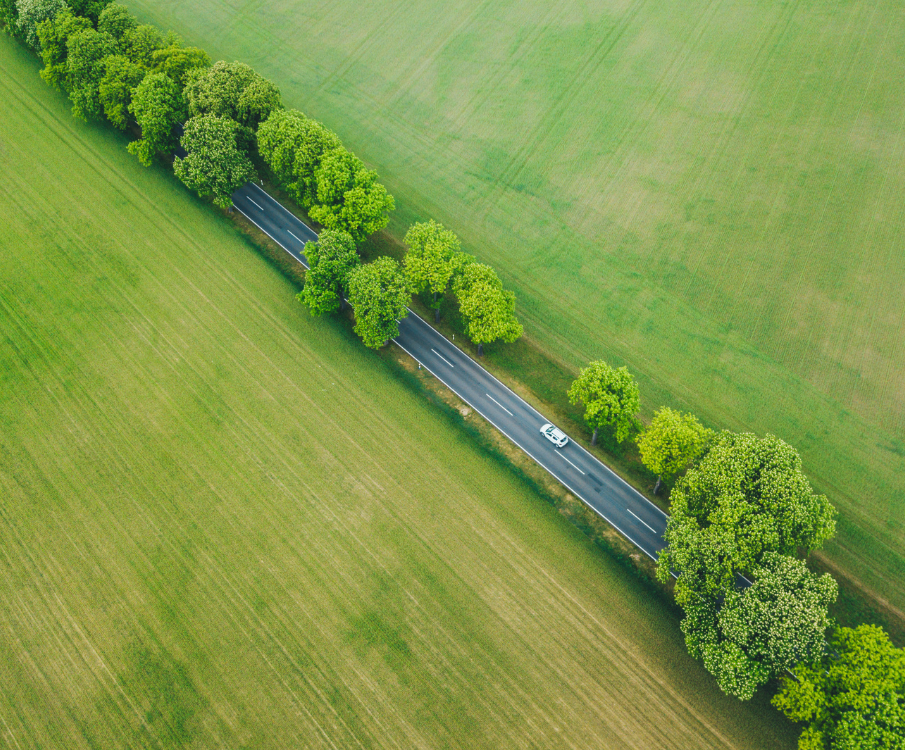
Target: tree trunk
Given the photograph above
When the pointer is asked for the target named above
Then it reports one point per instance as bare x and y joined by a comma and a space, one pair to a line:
657, 485
594, 436
436, 315
480, 349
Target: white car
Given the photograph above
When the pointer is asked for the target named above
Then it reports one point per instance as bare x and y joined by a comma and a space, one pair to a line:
554, 435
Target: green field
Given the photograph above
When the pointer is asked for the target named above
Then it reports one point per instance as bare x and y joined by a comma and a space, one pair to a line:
710, 192
226, 524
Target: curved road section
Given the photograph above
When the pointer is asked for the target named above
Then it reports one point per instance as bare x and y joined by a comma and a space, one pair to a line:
632, 514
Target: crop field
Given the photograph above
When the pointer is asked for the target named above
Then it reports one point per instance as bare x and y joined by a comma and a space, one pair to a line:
226, 524
710, 192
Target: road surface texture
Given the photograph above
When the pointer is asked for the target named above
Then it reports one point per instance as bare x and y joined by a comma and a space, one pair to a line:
632, 514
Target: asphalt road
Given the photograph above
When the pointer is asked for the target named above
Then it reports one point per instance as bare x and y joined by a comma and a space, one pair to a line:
587, 478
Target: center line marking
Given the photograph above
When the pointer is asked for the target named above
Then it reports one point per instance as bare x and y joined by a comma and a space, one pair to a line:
569, 462
498, 404
253, 201
294, 237
646, 524
442, 357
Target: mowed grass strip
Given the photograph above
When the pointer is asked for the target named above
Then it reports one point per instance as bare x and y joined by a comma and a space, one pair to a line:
709, 192
226, 524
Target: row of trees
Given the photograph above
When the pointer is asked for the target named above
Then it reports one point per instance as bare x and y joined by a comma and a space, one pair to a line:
743, 519
114, 68
379, 292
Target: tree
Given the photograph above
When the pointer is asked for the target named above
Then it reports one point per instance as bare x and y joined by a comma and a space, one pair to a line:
433, 257
293, 145
178, 61
214, 165
90, 9
746, 497
852, 697
55, 35
487, 309
116, 20
610, 397
379, 294
232, 90
331, 259
755, 633
31, 13
158, 107
87, 51
347, 196
140, 43
9, 18
671, 443
121, 78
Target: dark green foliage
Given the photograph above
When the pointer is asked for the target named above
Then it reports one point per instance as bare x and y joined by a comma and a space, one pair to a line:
177, 61
85, 69
852, 697
9, 18
331, 259
121, 77
158, 107
90, 9
214, 165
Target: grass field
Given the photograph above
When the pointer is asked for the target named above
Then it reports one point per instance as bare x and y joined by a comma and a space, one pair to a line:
227, 524
710, 192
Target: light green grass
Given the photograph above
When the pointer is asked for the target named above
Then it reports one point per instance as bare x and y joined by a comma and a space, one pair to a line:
710, 192
226, 524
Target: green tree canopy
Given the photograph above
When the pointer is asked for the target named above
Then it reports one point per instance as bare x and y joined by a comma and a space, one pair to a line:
88, 50
55, 35
487, 309
140, 43
32, 13
755, 633
116, 20
433, 257
331, 259
293, 146
121, 77
232, 90
746, 497
90, 9
158, 107
853, 697
348, 197
178, 61
379, 294
9, 18
214, 165
610, 397
671, 443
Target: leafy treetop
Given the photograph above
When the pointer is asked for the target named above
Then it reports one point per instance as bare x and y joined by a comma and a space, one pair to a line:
672, 442
379, 294
610, 397
852, 697
331, 259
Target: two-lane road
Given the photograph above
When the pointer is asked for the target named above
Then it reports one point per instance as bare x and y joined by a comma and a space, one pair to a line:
586, 477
